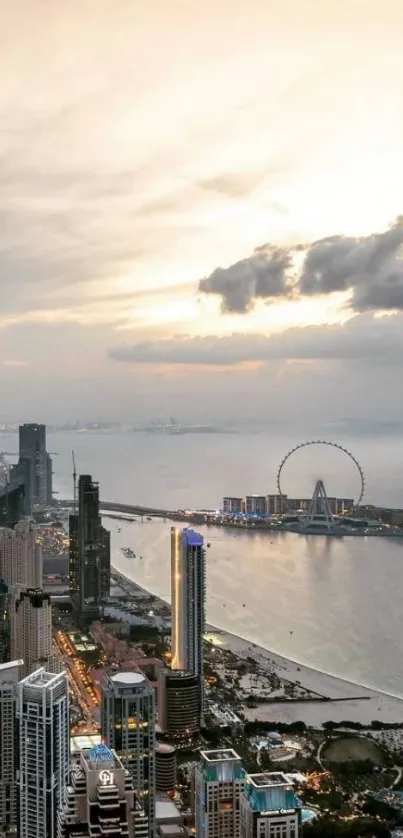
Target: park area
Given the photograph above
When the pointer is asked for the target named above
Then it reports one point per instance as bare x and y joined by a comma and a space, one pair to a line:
352, 749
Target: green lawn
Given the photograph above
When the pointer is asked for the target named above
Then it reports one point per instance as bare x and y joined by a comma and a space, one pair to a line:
352, 749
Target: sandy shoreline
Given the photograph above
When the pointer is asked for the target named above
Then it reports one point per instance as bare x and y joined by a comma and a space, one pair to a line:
360, 703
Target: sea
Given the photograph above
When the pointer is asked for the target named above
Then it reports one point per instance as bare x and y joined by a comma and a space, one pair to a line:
332, 603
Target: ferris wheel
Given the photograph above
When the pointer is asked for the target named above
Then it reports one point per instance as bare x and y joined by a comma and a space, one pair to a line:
321, 442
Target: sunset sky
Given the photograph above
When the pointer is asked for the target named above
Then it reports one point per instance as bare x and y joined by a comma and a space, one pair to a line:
199, 208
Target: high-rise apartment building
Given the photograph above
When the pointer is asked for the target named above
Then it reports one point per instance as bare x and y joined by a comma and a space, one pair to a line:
20, 556
31, 631
9, 676
25, 630
188, 595
4, 622
128, 727
218, 785
99, 798
43, 725
89, 554
36, 464
269, 807
179, 704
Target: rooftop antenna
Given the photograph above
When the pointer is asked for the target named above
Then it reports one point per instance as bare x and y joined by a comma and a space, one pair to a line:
74, 484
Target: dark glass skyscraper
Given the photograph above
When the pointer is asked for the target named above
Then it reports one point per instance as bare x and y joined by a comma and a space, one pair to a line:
12, 501
89, 562
35, 466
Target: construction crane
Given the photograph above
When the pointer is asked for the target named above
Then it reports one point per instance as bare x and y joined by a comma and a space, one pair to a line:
74, 484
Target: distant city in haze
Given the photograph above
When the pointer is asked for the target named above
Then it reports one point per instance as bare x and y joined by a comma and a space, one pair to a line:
351, 426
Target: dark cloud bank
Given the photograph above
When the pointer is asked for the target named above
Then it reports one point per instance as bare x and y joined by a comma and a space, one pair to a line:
370, 267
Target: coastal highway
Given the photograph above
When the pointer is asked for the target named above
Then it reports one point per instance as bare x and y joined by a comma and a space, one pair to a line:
125, 509
129, 509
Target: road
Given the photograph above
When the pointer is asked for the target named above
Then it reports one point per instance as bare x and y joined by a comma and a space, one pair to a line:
80, 684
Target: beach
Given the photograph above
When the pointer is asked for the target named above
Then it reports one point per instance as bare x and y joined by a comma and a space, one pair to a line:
348, 701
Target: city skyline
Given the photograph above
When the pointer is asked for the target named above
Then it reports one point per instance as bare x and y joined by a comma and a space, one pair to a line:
220, 216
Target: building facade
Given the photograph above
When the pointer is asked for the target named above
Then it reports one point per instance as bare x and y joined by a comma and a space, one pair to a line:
9, 676
128, 727
89, 555
12, 501
276, 504
165, 767
20, 556
4, 622
99, 798
232, 506
219, 781
43, 727
36, 464
269, 807
179, 704
188, 601
255, 505
31, 631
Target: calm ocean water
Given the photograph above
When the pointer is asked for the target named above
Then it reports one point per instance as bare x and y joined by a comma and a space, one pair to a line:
335, 604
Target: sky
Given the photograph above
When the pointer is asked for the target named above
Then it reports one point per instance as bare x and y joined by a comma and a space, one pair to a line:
200, 210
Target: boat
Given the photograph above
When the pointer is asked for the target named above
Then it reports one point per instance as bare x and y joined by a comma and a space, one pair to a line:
128, 553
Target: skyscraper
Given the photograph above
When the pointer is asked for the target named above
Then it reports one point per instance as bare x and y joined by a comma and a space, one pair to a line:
99, 798
9, 675
43, 723
128, 726
188, 594
21, 571
4, 622
89, 554
36, 464
269, 807
31, 631
218, 784
179, 704
20, 556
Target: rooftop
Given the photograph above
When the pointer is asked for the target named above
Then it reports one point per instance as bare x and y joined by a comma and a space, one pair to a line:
192, 538
165, 810
10, 665
101, 755
268, 778
269, 792
128, 679
220, 755
222, 766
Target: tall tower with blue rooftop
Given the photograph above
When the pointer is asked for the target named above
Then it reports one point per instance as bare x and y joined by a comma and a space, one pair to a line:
188, 600
269, 807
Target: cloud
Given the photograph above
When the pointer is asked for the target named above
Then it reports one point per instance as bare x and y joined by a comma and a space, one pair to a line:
373, 340
369, 267
262, 276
